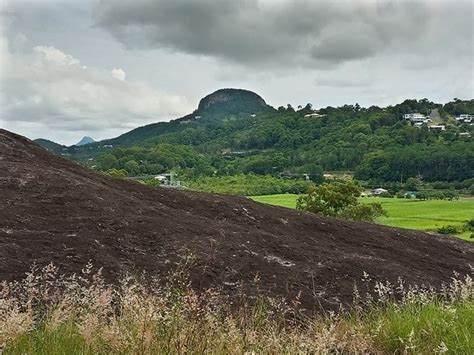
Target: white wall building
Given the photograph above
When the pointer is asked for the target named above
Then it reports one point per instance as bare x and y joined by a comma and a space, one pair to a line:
464, 118
310, 115
415, 117
438, 128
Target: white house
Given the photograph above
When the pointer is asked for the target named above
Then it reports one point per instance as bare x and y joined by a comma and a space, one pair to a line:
415, 117
465, 118
438, 128
314, 114
379, 191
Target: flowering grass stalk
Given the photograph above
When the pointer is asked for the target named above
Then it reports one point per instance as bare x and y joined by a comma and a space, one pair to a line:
54, 314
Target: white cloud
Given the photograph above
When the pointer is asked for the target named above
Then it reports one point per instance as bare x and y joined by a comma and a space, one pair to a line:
51, 54
118, 74
44, 89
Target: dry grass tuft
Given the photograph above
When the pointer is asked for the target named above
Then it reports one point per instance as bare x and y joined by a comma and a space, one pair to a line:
51, 313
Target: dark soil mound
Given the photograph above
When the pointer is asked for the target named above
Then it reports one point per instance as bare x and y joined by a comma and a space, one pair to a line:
54, 210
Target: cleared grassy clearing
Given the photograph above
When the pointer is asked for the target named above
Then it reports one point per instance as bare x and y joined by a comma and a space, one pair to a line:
404, 213
284, 200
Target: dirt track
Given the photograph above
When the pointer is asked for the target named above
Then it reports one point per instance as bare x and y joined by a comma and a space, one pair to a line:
54, 210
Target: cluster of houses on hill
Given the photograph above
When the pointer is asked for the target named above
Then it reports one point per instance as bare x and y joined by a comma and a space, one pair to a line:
418, 120
464, 118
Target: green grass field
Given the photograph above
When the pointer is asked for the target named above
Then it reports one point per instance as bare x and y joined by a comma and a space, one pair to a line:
413, 214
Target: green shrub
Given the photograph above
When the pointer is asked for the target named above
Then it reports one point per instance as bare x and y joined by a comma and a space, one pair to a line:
421, 196
469, 225
117, 173
448, 230
360, 212
450, 195
339, 199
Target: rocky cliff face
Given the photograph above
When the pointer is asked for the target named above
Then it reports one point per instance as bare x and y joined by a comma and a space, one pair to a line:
232, 101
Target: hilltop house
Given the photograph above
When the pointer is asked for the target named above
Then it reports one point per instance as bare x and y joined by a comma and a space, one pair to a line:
465, 118
314, 114
415, 117
437, 128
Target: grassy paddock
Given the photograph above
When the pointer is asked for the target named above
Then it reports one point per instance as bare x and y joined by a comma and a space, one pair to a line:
49, 314
426, 215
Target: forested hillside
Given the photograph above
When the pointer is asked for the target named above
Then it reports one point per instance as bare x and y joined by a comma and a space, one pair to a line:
235, 132
52, 146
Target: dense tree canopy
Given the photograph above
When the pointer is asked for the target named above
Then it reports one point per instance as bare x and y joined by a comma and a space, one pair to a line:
378, 144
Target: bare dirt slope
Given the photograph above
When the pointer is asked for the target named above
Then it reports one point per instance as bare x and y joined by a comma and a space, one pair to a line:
52, 209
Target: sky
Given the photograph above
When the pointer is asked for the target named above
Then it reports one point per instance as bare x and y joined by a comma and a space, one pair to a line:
72, 68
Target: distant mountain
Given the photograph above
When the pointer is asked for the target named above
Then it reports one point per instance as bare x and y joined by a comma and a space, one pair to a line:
221, 105
50, 145
234, 131
85, 140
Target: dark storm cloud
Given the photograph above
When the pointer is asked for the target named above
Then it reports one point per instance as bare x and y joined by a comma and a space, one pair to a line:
345, 48
62, 75
301, 33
